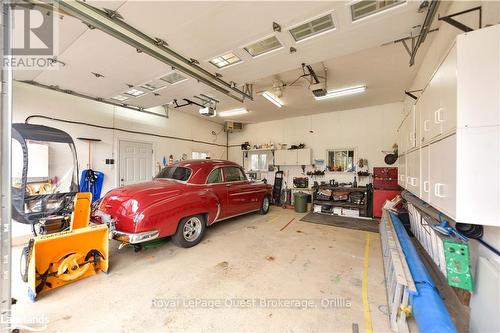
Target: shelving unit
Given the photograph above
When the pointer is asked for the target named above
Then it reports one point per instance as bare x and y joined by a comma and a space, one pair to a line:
362, 208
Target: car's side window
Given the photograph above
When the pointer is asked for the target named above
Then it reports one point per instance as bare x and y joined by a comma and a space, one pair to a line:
215, 176
233, 174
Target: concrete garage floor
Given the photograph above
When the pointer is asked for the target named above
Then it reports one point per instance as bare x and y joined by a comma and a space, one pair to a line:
240, 261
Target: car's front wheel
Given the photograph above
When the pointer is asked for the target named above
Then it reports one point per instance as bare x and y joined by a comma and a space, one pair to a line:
190, 231
264, 207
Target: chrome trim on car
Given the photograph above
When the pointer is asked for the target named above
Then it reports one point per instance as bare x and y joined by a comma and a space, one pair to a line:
248, 192
228, 217
134, 238
218, 213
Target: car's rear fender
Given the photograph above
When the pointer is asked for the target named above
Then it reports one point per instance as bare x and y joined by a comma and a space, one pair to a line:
165, 215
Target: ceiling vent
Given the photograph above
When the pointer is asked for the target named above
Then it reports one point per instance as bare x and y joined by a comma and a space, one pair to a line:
313, 28
173, 78
225, 60
366, 8
232, 126
154, 84
264, 46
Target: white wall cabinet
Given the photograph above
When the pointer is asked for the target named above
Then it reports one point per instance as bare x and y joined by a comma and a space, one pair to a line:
454, 164
407, 133
304, 156
402, 170
442, 179
293, 156
425, 183
279, 157
413, 172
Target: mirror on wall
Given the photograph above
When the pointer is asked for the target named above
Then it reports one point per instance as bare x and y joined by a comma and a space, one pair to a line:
341, 160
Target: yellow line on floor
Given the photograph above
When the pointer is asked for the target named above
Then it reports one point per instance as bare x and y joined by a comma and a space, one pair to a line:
366, 306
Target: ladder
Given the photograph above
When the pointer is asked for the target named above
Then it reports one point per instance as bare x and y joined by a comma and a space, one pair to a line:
398, 279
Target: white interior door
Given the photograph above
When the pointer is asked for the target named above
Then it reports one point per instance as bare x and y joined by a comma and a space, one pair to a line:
136, 162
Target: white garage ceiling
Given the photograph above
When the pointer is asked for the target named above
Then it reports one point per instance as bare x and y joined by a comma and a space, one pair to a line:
202, 30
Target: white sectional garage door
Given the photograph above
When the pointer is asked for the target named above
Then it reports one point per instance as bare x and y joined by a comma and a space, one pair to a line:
135, 162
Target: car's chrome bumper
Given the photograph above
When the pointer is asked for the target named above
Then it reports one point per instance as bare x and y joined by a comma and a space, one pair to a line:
125, 237
133, 238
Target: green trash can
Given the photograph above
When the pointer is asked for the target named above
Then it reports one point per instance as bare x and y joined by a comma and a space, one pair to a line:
300, 201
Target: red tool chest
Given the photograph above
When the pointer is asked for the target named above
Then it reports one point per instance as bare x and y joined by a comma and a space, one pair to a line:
385, 187
385, 178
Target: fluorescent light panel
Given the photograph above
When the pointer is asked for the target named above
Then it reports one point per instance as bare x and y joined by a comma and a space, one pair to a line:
135, 92
367, 8
225, 60
263, 46
233, 112
271, 98
313, 28
342, 92
120, 98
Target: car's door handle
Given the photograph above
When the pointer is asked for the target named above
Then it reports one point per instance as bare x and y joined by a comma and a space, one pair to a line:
229, 185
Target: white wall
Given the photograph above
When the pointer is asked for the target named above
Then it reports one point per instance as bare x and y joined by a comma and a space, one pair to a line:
29, 100
368, 130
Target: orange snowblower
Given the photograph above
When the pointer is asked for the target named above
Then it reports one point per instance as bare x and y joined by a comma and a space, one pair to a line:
66, 247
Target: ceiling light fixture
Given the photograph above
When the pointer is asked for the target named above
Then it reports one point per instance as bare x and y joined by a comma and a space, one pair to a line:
342, 92
365, 8
271, 98
120, 98
225, 60
264, 46
234, 112
313, 28
135, 92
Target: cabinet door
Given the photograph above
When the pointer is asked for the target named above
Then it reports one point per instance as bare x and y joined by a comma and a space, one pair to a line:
403, 134
446, 115
400, 139
279, 157
416, 126
442, 162
304, 156
478, 175
434, 105
410, 130
425, 117
413, 172
424, 174
402, 171
291, 157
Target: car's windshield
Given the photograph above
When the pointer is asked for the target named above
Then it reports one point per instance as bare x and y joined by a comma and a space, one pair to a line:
174, 172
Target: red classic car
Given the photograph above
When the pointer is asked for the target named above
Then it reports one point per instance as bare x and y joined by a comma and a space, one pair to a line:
180, 202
